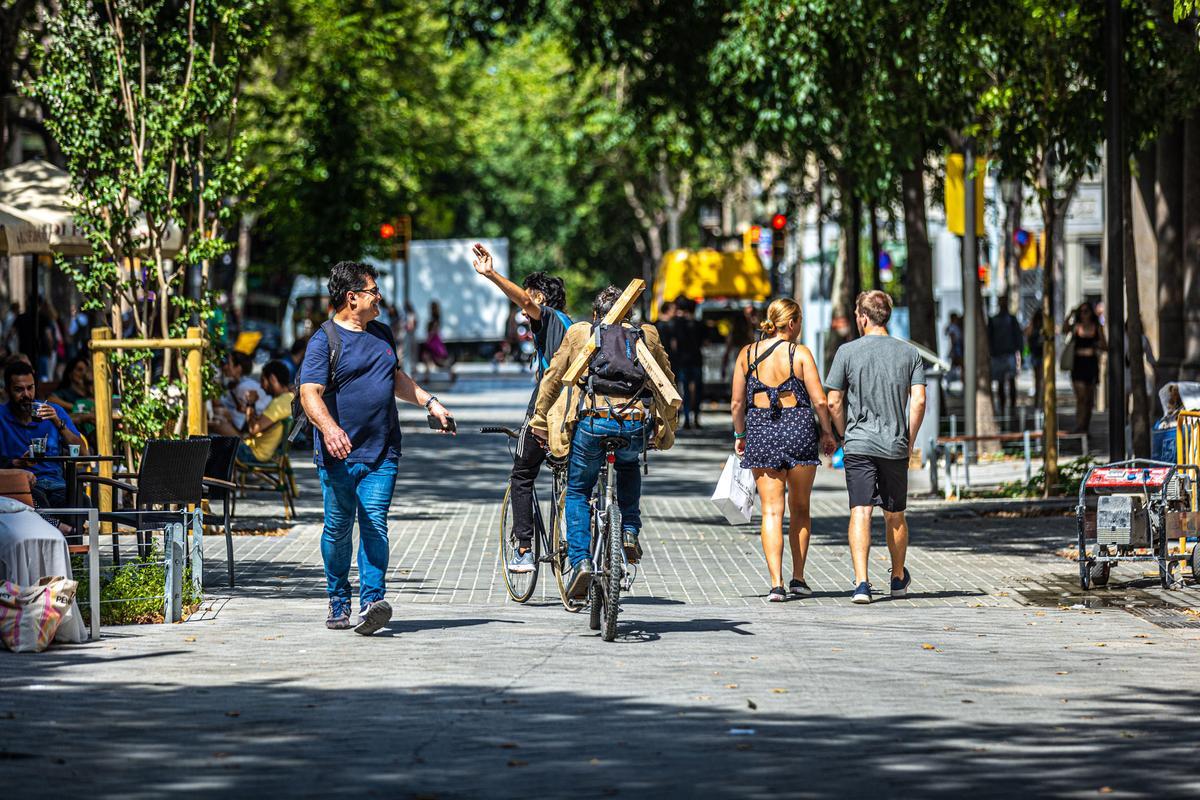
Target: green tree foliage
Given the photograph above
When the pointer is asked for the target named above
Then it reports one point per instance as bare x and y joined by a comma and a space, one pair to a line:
141, 97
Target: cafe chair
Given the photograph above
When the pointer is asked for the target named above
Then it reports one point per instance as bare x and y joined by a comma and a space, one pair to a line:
218, 485
169, 479
273, 475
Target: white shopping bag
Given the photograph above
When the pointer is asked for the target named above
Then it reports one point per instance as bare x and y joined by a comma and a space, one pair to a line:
734, 496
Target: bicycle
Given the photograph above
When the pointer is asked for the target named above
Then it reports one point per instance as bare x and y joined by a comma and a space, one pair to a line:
612, 571
549, 542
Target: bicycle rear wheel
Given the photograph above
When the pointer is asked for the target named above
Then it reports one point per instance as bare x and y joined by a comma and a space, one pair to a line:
520, 585
614, 569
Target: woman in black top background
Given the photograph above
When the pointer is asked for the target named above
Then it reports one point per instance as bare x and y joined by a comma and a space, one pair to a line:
1085, 328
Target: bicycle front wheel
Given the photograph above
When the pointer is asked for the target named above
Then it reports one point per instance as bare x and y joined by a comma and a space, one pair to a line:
613, 573
558, 553
520, 585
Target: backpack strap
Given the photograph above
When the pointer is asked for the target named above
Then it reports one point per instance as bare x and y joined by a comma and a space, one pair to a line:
335, 349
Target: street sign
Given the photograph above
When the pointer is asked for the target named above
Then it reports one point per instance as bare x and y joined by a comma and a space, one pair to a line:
766, 237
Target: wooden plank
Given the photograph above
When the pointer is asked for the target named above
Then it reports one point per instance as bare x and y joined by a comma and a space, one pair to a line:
618, 312
664, 387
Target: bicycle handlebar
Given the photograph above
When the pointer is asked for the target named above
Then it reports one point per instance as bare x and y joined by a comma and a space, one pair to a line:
509, 432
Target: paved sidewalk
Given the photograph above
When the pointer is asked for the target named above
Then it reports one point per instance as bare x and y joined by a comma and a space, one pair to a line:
987, 682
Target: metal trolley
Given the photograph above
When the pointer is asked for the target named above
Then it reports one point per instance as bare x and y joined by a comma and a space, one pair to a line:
1141, 508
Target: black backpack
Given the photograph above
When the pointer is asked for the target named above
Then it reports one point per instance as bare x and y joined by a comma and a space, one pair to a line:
301, 425
615, 369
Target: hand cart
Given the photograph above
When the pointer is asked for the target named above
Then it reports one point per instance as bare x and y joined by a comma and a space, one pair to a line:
1141, 507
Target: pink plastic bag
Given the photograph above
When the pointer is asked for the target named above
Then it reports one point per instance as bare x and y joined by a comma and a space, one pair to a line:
30, 617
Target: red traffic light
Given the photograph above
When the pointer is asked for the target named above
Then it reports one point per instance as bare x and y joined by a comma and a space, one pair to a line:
779, 222
387, 230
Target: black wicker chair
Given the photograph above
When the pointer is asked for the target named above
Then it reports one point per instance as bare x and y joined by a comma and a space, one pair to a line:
218, 485
170, 476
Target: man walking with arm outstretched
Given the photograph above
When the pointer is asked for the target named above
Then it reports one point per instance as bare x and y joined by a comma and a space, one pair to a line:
876, 390
542, 298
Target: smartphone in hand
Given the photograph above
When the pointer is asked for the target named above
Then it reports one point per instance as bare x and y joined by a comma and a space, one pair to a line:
436, 424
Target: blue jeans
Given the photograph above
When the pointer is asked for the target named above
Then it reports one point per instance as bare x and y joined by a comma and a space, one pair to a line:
587, 459
365, 490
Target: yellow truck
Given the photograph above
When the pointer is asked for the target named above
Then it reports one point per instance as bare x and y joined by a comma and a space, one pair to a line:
730, 289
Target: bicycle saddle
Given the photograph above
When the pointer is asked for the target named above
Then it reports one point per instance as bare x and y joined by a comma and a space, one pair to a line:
613, 443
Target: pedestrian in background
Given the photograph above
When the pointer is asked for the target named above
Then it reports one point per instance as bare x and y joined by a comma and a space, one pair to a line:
356, 444
877, 400
1087, 339
954, 332
1005, 341
685, 348
778, 404
1033, 339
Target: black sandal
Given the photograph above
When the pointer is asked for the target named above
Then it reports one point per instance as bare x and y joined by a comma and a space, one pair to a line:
777, 595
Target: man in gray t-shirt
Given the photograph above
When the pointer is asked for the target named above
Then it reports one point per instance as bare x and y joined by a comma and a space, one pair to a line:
876, 390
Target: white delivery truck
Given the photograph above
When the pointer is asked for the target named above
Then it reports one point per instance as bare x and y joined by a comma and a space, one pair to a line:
440, 270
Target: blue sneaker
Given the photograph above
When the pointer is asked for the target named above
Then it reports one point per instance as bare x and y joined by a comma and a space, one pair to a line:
522, 562
900, 585
862, 594
339, 615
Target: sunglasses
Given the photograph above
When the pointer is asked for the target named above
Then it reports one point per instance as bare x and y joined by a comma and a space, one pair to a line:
375, 291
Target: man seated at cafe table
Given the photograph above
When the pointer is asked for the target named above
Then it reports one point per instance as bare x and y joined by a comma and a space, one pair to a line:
24, 420
265, 430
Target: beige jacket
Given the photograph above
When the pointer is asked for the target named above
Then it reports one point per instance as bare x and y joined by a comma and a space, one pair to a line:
558, 406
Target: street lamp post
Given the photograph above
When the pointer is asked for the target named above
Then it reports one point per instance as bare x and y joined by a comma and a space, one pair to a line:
970, 274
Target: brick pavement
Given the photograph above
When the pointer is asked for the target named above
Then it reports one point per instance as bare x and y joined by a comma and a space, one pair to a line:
966, 689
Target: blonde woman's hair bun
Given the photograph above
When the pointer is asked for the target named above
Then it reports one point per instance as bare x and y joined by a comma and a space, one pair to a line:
766, 326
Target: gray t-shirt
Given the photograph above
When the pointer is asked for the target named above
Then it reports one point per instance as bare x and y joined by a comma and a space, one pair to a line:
875, 373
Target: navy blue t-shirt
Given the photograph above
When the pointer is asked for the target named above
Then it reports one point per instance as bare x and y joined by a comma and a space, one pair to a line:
362, 399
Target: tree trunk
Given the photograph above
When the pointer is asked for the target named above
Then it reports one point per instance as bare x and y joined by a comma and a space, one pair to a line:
985, 412
1049, 357
876, 283
1191, 248
1168, 223
853, 233
842, 328
922, 312
242, 264
1139, 406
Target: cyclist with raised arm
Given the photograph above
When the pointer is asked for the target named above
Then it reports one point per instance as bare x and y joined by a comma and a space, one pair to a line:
542, 298
614, 398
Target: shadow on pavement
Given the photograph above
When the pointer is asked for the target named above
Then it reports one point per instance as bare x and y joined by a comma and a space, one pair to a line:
269, 738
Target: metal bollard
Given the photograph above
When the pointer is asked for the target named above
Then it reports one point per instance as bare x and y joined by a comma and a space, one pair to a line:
1021, 416
1028, 457
173, 562
197, 552
953, 425
933, 466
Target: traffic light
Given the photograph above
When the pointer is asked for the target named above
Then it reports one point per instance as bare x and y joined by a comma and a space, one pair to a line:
778, 245
387, 230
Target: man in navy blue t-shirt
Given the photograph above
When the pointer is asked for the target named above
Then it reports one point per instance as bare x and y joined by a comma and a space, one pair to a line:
542, 298
357, 440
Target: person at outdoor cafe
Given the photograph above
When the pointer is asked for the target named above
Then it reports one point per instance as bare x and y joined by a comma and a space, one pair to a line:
74, 395
242, 391
266, 430
28, 427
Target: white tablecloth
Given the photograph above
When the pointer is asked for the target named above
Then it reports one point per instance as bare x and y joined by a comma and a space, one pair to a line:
31, 549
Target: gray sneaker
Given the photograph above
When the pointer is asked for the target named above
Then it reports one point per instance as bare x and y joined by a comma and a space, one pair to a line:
339, 615
374, 617
522, 562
